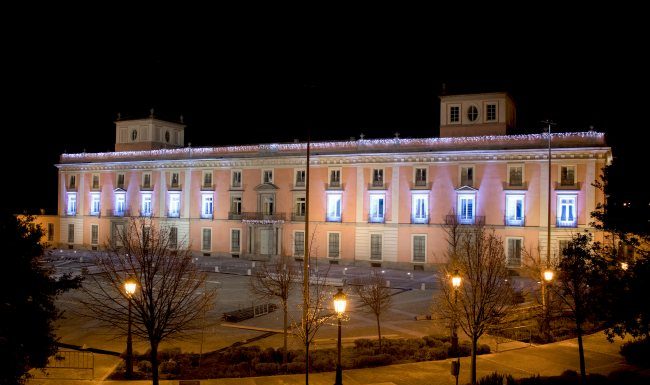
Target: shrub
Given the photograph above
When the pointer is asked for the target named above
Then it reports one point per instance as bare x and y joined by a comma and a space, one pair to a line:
637, 352
266, 368
496, 379
363, 343
296, 367
169, 367
144, 366
168, 353
372, 361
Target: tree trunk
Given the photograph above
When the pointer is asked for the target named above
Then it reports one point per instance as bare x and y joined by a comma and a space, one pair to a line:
378, 332
154, 363
286, 311
473, 366
581, 352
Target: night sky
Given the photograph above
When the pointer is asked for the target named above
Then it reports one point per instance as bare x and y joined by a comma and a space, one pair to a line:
237, 80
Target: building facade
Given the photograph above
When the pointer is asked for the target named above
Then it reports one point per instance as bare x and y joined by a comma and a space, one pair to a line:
380, 202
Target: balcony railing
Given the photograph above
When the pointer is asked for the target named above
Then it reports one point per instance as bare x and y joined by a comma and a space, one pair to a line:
234, 215
117, 213
146, 213
300, 183
565, 185
420, 183
513, 221
420, 219
561, 223
207, 216
333, 218
451, 220
376, 219
298, 217
263, 216
173, 214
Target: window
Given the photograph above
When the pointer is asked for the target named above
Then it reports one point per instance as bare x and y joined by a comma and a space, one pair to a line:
50, 232
467, 176
146, 180
514, 210
562, 246
466, 208
72, 204
491, 112
206, 242
267, 176
377, 207
167, 136
515, 175
207, 179
513, 253
145, 206
94, 234
174, 209
566, 210
72, 184
335, 178
120, 181
120, 204
71, 233
454, 114
95, 182
420, 176
267, 204
333, 245
173, 237
334, 207
377, 177
118, 232
472, 113
375, 247
300, 206
134, 135
567, 175
94, 203
236, 179
174, 180
206, 205
235, 205
300, 178
298, 243
235, 237
420, 208
419, 248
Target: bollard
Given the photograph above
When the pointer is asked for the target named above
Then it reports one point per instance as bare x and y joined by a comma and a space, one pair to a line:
253, 264
423, 287
387, 283
248, 272
344, 270
216, 269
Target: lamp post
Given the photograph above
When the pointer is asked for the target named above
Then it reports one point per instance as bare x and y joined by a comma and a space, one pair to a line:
129, 288
455, 283
547, 277
340, 301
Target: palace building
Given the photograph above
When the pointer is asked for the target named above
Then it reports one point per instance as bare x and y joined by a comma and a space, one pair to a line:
380, 202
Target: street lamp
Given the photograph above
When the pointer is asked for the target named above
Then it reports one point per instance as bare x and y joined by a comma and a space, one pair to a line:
456, 280
547, 277
340, 301
129, 288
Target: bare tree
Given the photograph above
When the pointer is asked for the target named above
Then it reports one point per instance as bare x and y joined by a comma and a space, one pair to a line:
374, 295
277, 279
166, 304
485, 294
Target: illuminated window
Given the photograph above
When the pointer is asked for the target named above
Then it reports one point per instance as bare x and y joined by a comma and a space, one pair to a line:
513, 252
120, 204
566, 210
420, 208
514, 210
333, 245
419, 248
72, 204
334, 207
145, 206
94, 203
206, 205
377, 207
466, 208
174, 208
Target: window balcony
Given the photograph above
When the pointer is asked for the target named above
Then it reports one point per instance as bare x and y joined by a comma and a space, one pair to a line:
174, 187
207, 187
561, 223
451, 220
514, 221
420, 219
146, 214
376, 219
146, 187
329, 218
567, 185
515, 186
207, 216
421, 185
298, 217
236, 185
70, 213
377, 185
261, 216
117, 213
300, 184
234, 215
173, 214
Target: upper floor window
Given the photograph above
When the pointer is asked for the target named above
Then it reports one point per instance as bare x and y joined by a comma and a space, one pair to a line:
377, 177
146, 180
267, 176
566, 210
207, 200
300, 178
145, 205
174, 208
236, 178
514, 210
515, 175
377, 207
301, 207
466, 208
72, 204
174, 180
420, 176
567, 175
454, 114
235, 205
94, 203
120, 203
491, 112
207, 179
472, 113
95, 182
420, 208
120, 181
268, 204
334, 207
72, 182
513, 252
467, 176
134, 135
562, 246
335, 177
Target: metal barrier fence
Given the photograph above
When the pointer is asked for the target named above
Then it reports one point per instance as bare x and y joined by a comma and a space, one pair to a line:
72, 359
513, 334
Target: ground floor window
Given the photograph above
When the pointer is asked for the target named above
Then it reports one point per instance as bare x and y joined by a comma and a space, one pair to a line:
513, 252
333, 245
419, 248
375, 246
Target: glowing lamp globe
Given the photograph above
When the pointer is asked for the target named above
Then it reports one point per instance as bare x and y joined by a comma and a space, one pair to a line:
129, 287
548, 275
340, 301
456, 280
